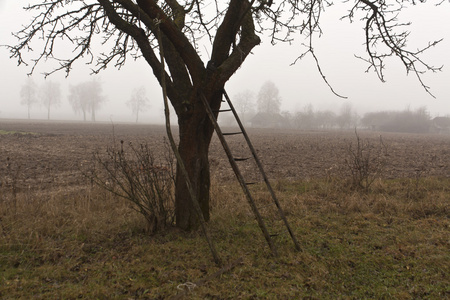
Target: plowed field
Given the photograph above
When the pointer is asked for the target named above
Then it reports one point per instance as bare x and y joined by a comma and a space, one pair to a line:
39, 155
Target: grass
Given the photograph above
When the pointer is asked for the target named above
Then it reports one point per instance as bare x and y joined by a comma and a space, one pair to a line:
391, 242
4, 132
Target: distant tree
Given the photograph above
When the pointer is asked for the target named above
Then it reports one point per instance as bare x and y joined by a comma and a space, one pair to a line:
310, 119
95, 94
417, 121
306, 119
138, 102
368, 120
86, 97
78, 100
269, 100
244, 104
377, 120
50, 96
326, 119
287, 119
29, 94
347, 117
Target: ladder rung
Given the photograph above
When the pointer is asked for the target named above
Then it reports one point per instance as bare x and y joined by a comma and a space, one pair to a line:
241, 158
232, 133
250, 183
222, 110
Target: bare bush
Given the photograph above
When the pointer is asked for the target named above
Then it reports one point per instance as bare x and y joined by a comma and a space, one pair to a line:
133, 173
365, 162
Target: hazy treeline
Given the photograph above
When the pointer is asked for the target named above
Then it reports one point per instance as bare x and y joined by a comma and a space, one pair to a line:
264, 111
417, 121
308, 118
407, 120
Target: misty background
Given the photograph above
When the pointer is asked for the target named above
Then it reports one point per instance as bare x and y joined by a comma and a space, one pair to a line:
300, 85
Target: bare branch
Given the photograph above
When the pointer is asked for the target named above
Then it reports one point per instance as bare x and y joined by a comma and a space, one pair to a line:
187, 24
53, 26
382, 29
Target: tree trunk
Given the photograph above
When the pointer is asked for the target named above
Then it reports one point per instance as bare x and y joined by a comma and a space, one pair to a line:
196, 131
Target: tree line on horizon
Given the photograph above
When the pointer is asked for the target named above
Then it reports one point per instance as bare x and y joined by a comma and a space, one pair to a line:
264, 110
85, 98
257, 110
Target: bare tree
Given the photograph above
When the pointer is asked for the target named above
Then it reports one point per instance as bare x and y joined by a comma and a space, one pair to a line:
78, 100
306, 119
231, 28
138, 102
96, 97
86, 97
29, 94
326, 119
244, 104
269, 100
347, 117
50, 96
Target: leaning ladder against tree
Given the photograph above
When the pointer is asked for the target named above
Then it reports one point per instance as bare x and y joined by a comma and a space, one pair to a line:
232, 159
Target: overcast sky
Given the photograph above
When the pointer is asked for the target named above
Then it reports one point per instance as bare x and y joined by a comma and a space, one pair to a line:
299, 84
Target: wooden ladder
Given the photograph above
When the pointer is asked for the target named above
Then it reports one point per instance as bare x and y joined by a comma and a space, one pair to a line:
233, 162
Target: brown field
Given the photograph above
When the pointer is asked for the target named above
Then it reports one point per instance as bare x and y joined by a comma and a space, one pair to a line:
63, 238
53, 154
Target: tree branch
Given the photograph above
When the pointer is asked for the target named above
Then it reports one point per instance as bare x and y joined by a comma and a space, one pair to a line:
380, 28
176, 37
227, 31
139, 36
248, 41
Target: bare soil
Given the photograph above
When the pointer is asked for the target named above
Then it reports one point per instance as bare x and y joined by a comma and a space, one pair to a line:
42, 155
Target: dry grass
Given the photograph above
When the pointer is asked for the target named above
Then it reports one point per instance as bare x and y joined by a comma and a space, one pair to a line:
391, 242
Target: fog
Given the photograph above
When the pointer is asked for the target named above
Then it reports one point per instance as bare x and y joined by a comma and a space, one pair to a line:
299, 84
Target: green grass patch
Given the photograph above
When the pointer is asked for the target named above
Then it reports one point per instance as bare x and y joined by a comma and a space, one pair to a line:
386, 243
12, 132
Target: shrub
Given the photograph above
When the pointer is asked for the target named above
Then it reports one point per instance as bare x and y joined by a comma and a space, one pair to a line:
365, 162
132, 172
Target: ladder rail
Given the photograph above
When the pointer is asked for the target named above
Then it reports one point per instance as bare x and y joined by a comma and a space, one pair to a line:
263, 173
239, 176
